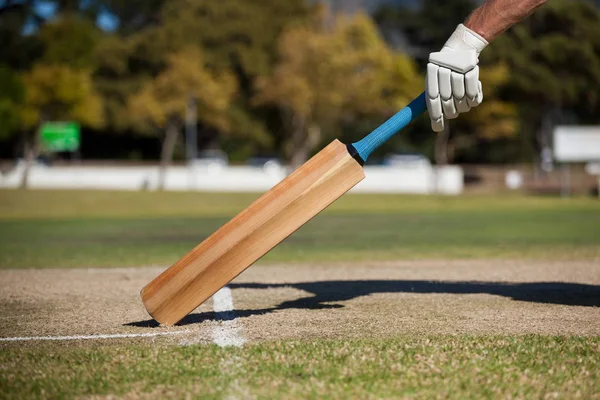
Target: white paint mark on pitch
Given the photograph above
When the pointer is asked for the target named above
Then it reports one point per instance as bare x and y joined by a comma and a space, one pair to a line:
91, 337
227, 331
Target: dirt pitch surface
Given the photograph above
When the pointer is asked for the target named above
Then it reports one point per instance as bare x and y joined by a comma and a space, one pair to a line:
317, 301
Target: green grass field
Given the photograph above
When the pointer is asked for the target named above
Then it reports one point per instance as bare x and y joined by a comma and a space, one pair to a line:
406, 367
47, 229
66, 229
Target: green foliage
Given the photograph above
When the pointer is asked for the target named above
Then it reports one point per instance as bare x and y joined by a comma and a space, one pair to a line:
16, 50
292, 82
494, 121
12, 95
115, 79
59, 93
325, 76
427, 27
554, 63
69, 41
541, 68
232, 35
554, 56
237, 34
134, 15
164, 99
494, 118
57, 85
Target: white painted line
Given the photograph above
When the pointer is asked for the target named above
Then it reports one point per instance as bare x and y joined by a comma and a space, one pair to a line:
226, 331
91, 337
223, 301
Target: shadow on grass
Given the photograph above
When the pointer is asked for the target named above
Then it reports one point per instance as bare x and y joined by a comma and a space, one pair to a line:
325, 292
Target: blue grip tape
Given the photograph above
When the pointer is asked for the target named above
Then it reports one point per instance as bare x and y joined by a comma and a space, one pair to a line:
379, 136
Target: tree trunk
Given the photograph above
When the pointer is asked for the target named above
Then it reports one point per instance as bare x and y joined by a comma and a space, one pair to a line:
298, 153
30, 154
303, 142
441, 146
191, 130
314, 138
166, 155
328, 18
546, 162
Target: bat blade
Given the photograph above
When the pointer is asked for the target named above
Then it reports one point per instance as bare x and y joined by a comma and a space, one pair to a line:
251, 234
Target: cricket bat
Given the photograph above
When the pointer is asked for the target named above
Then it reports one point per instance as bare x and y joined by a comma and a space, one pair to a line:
265, 223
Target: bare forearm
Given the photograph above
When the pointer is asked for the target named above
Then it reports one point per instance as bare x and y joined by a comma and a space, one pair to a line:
496, 16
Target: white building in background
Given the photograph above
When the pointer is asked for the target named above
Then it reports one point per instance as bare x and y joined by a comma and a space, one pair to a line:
577, 144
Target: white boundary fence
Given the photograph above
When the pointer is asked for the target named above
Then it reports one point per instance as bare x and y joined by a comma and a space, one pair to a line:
421, 179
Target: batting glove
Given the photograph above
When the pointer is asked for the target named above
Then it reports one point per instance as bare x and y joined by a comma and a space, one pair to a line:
453, 85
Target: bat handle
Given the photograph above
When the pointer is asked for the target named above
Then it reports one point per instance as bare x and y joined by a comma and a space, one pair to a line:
379, 136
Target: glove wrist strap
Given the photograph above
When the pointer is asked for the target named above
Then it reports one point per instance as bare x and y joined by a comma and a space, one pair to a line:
464, 38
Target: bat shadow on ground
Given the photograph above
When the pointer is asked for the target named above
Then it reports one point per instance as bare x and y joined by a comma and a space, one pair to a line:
324, 293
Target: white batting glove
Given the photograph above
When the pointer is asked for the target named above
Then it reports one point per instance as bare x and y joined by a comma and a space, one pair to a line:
453, 85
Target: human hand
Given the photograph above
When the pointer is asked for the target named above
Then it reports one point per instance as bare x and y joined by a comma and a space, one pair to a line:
453, 85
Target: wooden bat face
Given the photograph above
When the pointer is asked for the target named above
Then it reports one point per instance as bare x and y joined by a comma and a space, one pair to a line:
252, 233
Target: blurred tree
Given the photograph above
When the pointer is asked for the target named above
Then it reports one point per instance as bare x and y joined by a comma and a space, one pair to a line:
236, 34
116, 79
241, 36
552, 61
33, 14
426, 27
61, 31
554, 58
328, 76
17, 50
161, 104
233, 35
50, 43
132, 15
69, 40
494, 120
12, 95
56, 93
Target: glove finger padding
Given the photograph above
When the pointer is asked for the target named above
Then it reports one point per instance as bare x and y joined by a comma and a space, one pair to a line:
449, 107
445, 83
463, 105
433, 99
434, 103
477, 100
458, 85
437, 125
434, 106
472, 84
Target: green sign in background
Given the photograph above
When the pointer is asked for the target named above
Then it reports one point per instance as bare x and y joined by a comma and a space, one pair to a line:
60, 136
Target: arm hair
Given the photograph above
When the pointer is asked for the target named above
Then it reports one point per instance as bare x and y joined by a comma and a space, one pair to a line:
495, 16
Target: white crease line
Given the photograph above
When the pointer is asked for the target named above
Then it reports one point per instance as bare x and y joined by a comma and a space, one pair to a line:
90, 337
226, 332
